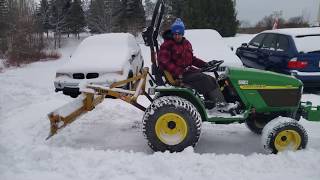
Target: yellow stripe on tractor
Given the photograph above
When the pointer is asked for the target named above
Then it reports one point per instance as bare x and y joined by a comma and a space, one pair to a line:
93, 95
261, 87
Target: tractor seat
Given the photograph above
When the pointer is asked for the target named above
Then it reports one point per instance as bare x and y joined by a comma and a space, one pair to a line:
170, 79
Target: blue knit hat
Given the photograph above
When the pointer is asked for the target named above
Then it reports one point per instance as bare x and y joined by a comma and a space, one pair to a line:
177, 27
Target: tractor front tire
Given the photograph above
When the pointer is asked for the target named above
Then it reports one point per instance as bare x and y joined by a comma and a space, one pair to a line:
171, 123
284, 134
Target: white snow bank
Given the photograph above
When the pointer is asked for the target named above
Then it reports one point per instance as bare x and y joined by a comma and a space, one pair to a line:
238, 40
68, 163
102, 53
208, 45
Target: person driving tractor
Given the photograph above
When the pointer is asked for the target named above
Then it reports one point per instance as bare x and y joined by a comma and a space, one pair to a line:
176, 57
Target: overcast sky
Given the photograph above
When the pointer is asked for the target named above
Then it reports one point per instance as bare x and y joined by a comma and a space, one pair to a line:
255, 10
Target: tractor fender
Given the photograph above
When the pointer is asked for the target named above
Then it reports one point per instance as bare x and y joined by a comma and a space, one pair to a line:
185, 93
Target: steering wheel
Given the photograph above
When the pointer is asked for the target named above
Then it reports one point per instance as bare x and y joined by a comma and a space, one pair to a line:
212, 66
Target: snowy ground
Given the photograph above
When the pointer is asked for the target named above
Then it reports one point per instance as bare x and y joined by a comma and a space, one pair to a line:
108, 142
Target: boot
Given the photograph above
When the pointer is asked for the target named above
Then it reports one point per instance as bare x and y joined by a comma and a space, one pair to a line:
217, 97
221, 105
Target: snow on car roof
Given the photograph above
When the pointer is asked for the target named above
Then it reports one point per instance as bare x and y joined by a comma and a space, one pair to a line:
296, 31
207, 44
306, 39
102, 53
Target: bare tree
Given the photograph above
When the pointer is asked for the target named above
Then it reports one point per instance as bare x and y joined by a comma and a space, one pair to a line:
24, 42
296, 22
268, 21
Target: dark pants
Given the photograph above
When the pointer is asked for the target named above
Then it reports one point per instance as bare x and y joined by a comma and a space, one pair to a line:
201, 82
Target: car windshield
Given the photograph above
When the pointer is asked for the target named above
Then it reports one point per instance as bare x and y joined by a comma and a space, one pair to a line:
307, 43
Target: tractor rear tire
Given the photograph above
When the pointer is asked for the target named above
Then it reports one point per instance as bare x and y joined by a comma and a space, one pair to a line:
172, 124
283, 134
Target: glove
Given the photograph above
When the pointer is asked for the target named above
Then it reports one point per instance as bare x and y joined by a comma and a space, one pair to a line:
206, 65
213, 62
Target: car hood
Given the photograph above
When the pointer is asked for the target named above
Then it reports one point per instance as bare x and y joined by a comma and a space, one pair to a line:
102, 53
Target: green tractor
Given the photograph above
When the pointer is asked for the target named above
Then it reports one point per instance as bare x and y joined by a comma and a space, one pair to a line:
267, 102
173, 120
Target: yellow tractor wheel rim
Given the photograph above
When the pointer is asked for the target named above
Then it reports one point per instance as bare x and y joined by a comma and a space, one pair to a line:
171, 128
287, 140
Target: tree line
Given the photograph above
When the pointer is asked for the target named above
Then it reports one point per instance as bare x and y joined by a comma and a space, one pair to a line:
27, 26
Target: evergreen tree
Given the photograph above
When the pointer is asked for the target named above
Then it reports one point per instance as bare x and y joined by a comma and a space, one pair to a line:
43, 16
4, 26
105, 16
133, 19
58, 11
98, 18
116, 13
75, 20
4, 10
213, 14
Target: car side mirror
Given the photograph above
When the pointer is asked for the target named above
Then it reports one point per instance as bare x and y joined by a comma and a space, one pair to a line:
244, 45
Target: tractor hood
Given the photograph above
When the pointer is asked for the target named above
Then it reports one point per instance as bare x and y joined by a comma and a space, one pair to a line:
266, 91
247, 78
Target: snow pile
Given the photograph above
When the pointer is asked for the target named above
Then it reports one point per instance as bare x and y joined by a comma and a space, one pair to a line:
108, 142
208, 45
235, 42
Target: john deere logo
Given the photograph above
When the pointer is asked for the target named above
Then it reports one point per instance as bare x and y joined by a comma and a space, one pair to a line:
243, 82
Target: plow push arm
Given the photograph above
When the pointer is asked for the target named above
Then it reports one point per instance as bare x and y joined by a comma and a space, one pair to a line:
93, 95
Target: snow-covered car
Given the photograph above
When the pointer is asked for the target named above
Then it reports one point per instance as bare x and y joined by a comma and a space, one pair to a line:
207, 44
100, 59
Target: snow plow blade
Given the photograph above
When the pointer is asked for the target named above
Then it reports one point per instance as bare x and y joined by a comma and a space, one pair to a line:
309, 112
93, 95
66, 114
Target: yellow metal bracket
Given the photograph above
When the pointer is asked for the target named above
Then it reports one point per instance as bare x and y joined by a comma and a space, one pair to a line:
94, 95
